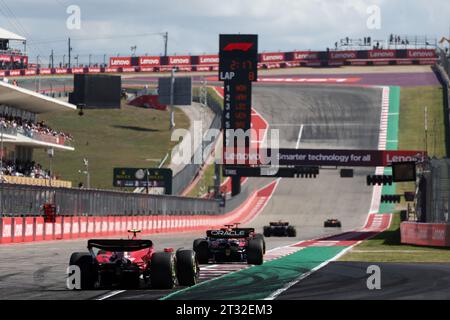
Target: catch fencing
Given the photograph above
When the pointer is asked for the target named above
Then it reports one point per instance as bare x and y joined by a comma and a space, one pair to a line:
20, 200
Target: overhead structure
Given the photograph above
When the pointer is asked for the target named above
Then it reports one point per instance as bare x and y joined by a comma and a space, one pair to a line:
28, 100
8, 35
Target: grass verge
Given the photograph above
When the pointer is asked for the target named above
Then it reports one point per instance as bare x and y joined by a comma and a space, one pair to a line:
126, 137
386, 246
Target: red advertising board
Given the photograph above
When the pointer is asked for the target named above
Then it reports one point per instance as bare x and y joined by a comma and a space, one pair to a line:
20, 59
45, 71
2, 73
5, 58
271, 57
147, 69
179, 60
342, 55
421, 54
30, 72
111, 70
129, 69
305, 55
77, 70
149, 61
208, 59
94, 70
382, 54
14, 73
425, 234
120, 61
61, 70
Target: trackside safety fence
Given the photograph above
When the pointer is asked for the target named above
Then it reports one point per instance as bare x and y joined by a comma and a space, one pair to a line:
20, 200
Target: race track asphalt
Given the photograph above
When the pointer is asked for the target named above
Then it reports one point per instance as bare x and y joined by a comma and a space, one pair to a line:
348, 281
332, 117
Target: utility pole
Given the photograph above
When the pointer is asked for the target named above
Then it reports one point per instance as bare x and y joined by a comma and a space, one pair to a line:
70, 49
426, 128
172, 85
166, 40
51, 59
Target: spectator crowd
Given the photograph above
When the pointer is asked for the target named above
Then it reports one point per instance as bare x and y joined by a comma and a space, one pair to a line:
29, 128
24, 169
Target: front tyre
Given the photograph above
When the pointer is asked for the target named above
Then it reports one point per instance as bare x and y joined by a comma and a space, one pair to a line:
255, 253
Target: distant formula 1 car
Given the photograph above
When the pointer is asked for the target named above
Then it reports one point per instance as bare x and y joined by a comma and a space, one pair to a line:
279, 229
124, 262
231, 244
332, 223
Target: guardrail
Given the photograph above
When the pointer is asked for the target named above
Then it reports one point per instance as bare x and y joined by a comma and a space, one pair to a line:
20, 200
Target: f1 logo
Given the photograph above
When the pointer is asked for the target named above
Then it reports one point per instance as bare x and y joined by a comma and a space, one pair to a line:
242, 46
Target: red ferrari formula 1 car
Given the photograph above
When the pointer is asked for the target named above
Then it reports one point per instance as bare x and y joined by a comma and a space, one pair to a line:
130, 263
231, 244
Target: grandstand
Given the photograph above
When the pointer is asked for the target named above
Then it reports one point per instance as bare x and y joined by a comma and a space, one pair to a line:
21, 133
12, 58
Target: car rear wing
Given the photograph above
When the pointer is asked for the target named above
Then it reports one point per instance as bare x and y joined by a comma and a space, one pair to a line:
230, 234
119, 244
279, 224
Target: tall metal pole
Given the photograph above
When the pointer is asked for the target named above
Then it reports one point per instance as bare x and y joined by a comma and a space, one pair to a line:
70, 49
172, 84
426, 128
52, 59
166, 40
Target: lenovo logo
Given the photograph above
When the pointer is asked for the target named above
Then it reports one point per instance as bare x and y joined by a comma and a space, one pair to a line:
120, 62
149, 61
240, 46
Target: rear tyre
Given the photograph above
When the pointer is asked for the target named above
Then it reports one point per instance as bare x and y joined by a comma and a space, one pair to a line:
291, 232
260, 236
255, 252
188, 270
163, 273
201, 249
266, 232
88, 268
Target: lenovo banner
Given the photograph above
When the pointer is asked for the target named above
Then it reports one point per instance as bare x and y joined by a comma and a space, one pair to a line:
179, 60
304, 55
5, 58
421, 54
149, 61
342, 55
271, 57
120, 61
208, 59
382, 54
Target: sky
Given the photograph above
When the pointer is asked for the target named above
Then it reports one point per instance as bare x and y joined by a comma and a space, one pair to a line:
111, 26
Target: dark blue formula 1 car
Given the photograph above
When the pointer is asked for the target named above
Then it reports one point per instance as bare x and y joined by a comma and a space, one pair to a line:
279, 229
230, 245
